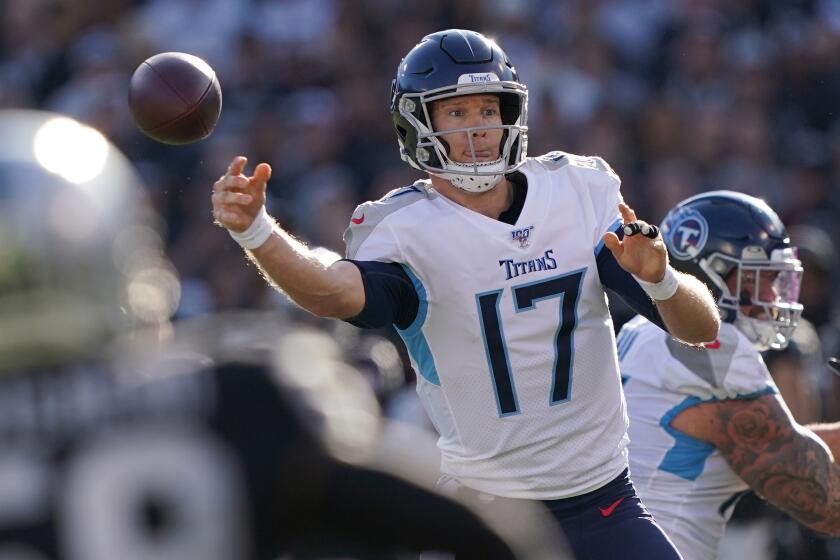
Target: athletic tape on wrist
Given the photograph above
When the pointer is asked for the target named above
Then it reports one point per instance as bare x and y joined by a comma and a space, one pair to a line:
257, 233
664, 289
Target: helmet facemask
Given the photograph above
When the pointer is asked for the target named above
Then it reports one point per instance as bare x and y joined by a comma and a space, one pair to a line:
432, 152
766, 317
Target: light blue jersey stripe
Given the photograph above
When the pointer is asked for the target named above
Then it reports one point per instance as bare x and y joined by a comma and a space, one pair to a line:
415, 340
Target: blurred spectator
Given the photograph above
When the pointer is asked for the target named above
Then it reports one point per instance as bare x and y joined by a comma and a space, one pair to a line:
819, 258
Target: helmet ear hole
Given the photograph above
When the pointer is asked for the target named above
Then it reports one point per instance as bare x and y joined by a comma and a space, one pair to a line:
402, 132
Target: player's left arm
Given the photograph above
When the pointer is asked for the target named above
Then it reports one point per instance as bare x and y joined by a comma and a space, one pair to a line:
689, 313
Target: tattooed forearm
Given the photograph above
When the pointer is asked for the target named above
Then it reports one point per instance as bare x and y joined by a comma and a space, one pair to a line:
786, 464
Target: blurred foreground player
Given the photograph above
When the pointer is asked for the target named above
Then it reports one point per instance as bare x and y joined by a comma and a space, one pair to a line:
226, 438
708, 424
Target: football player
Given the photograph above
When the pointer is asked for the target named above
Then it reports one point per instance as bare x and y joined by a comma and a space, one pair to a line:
229, 438
494, 271
707, 424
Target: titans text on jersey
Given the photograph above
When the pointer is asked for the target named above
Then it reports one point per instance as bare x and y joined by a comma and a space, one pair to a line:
514, 268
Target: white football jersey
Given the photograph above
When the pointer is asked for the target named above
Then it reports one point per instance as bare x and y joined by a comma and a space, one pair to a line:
513, 343
685, 483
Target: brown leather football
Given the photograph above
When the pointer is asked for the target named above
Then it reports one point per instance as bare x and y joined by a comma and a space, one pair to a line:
175, 98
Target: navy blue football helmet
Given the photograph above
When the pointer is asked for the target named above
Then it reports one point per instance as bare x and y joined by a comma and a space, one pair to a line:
451, 63
721, 233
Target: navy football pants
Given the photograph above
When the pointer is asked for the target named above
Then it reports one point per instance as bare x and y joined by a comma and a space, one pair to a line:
612, 524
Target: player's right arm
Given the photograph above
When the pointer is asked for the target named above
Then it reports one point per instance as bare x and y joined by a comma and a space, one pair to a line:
334, 290
783, 462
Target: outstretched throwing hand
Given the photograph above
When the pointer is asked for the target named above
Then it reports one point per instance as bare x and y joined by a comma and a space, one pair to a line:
645, 256
237, 198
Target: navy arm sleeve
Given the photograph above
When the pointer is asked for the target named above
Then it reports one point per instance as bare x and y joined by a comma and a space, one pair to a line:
620, 282
390, 296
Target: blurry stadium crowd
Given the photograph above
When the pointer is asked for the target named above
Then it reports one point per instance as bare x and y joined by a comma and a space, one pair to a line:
680, 96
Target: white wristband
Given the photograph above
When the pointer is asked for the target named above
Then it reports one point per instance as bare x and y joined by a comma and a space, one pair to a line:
257, 233
664, 289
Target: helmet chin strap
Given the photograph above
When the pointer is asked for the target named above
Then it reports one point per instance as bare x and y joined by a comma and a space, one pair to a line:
470, 182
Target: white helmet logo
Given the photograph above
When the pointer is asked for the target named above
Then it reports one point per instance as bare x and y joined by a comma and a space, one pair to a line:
687, 232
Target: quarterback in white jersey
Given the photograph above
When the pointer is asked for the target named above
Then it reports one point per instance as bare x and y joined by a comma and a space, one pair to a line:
707, 424
494, 272
493, 314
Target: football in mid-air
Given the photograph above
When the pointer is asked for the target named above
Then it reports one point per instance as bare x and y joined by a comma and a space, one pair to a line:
175, 98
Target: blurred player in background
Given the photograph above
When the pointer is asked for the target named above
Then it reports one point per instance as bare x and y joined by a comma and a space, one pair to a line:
494, 272
228, 437
707, 424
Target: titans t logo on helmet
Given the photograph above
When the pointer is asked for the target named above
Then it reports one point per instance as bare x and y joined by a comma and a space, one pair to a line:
718, 234
687, 231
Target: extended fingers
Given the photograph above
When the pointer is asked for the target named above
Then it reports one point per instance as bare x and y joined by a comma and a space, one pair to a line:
627, 213
262, 174
233, 177
237, 166
232, 197
240, 182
